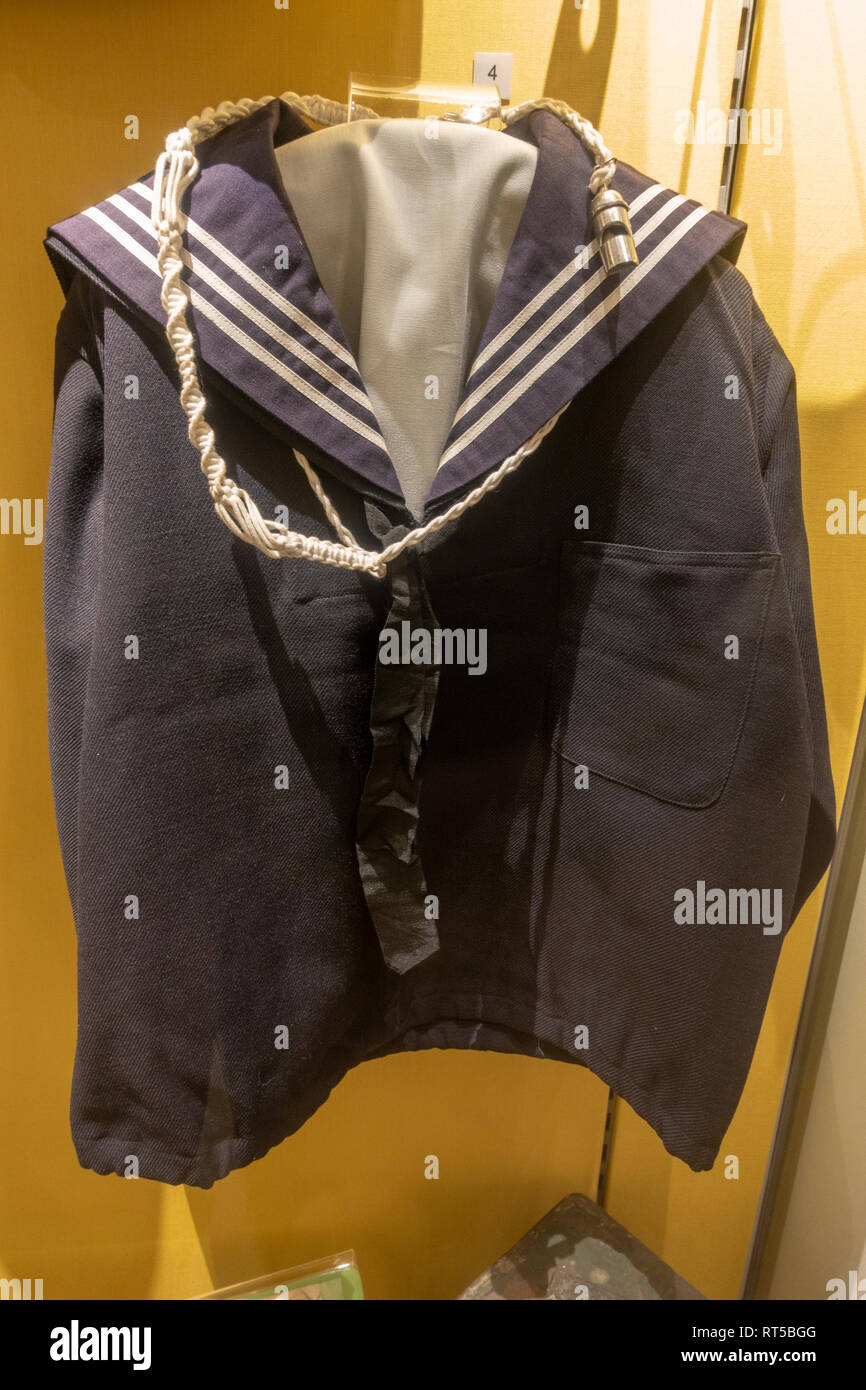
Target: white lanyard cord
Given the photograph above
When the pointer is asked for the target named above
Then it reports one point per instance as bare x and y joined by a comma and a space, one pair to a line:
177, 168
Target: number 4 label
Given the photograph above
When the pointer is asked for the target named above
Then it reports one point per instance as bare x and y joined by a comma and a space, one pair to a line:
494, 67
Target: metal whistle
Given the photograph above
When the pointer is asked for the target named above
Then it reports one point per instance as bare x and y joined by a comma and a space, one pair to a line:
612, 230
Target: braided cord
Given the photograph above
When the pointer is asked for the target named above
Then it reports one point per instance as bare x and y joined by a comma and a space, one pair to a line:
605, 164
176, 169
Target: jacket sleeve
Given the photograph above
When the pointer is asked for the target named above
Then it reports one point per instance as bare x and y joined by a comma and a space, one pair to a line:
73, 538
782, 480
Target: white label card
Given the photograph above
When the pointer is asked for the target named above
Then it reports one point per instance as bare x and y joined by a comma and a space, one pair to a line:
494, 67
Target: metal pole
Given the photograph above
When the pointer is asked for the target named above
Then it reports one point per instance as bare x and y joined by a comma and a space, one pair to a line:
604, 1161
738, 97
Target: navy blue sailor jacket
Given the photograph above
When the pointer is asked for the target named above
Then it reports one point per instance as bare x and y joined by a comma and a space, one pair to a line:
555, 782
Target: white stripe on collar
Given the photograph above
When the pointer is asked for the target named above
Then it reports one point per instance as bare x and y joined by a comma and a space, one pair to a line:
616, 296
564, 311
238, 336
267, 291
551, 288
237, 301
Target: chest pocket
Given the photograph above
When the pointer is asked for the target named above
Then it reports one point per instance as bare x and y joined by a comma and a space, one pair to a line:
655, 661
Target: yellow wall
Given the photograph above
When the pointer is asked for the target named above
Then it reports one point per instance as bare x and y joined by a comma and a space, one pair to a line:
513, 1134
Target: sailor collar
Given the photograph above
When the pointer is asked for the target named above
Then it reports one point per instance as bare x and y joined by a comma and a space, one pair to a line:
267, 330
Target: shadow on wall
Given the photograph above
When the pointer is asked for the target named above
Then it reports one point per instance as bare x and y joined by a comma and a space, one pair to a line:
580, 59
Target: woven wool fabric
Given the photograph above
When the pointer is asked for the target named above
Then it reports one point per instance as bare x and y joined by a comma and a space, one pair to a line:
285, 854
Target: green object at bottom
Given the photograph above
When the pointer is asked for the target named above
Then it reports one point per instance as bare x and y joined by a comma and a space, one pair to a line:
333, 1285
